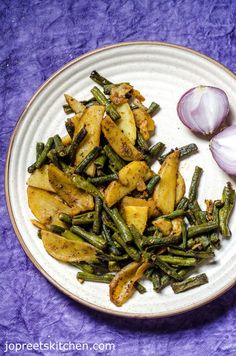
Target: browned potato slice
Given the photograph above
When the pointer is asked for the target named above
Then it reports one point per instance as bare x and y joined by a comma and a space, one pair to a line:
130, 201
68, 250
165, 192
75, 105
66, 140
38, 224
144, 122
126, 122
165, 226
129, 176
39, 179
180, 188
119, 141
176, 226
91, 120
74, 197
118, 93
46, 206
122, 285
136, 215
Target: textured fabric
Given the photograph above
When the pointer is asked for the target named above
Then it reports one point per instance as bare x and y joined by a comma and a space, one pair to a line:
37, 38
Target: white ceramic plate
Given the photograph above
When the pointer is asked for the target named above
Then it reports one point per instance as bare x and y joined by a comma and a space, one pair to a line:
162, 73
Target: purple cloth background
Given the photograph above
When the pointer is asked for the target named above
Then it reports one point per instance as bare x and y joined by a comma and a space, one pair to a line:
37, 38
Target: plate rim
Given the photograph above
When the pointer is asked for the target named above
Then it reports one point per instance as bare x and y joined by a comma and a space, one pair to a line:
60, 287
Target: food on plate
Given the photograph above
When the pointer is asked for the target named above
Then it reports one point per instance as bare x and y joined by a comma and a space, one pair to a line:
101, 207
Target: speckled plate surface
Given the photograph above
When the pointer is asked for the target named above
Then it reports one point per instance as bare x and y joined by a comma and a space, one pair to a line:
162, 72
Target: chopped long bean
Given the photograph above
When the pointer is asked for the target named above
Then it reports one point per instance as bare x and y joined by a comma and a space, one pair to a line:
195, 183
120, 224
103, 179
98, 215
92, 238
83, 183
152, 183
184, 151
75, 143
228, 198
189, 283
87, 160
131, 251
43, 156
85, 276
110, 108
153, 108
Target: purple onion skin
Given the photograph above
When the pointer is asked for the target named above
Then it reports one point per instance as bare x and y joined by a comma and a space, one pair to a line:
223, 149
195, 125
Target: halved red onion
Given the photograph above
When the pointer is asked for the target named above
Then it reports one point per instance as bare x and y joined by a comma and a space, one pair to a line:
203, 109
223, 149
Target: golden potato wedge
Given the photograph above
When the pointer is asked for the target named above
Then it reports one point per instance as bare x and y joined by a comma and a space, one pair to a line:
91, 120
66, 140
39, 179
46, 206
129, 176
75, 105
180, 188
136, 215
76, 198
136, 93
118, 93
130, 201
126, 122
176, 226
165, 192
68, 250
119, 141
38, 224
122, 285
144, 122
165, 226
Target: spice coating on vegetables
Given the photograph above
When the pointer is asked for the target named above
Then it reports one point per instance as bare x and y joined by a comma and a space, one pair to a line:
101, 207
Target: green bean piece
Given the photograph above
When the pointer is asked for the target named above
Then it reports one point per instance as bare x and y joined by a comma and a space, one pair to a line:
65, 218
140, 288
178, 260
153, 108
131, 251
74, 145
113, 248
174, 214
120, 223
189, 283
88, 215
156, 281
162, 240
152, 183
141, 143
70, 236
83, 184
54, 159
113, 266
202, 241
201, 229
56, 229
215, 240
43, 156
190, 253
103, 179
228, 198
170, 271
183, 204
39, 150
100, 161
99, 79
151, 229
148, 273
115, 161
82, 221
67, 109
68, 170
165, 280
107, 222
194, 184
156, 150
85, 276
98, 216
101, 99
70, 128
60, 148
136, 236
184, 152
87, 160
90, 237
83, 266
184, 234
